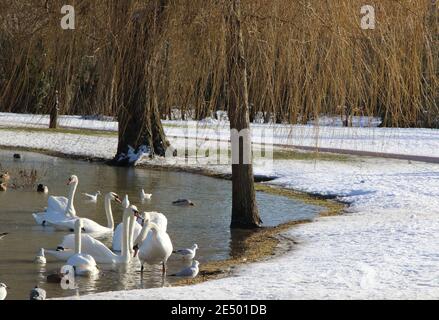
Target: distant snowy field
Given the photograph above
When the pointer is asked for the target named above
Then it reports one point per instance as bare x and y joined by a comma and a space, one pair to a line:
420, 142
385, 247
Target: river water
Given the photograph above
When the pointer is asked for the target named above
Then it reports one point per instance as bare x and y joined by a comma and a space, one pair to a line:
206, 224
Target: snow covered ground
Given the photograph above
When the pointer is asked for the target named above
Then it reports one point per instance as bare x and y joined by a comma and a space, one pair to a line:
420, 142
386, 246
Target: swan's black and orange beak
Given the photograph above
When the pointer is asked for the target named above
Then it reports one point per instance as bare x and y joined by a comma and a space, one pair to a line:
117, 199
69, 181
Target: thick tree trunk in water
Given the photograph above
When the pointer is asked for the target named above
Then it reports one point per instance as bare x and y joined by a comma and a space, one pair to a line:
245, 213
53, 123
140, 127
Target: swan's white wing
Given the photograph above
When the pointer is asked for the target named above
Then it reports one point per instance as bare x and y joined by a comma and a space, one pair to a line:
57, 204
117, 236
91, 246
159, 219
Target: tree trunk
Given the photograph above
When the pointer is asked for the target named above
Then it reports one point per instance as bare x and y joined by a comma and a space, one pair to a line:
53, 123
245, 213
140, 128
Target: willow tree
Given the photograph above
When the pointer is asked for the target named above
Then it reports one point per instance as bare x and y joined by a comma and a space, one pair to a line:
140, 127
245, 214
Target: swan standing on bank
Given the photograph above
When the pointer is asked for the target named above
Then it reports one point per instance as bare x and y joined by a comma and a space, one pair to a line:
90, 226
92, 197
100, 252
154, 246
59, 208
83, 264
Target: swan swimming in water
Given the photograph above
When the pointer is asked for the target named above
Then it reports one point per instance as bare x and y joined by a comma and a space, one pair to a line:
83, 264
90, 226
59, 208
154, 246
100, 252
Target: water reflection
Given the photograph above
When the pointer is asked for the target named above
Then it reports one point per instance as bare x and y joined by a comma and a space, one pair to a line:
206, 224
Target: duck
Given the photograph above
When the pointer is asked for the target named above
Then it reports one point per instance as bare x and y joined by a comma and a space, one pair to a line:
92, 197
187, 254
83, 264
183, 203
3, 291
37, 294
153, 246
42, 188
59, 208
145, 196
40, 258
190, 272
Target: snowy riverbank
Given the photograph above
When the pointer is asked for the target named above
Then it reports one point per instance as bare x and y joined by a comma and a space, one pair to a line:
387, 246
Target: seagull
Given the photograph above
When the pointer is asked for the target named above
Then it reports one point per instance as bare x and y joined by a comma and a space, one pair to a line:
191, 272
2, 235
91, 197
187, 254
40, 258
37, 294
145, 196
3, 291
183, 202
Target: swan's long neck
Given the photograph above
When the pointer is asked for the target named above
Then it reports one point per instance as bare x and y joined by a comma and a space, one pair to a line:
125, 254
78, 240
131, 234
109, 213
70, 210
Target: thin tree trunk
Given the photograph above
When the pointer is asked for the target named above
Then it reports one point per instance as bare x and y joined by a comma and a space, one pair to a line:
245, 213
53, 123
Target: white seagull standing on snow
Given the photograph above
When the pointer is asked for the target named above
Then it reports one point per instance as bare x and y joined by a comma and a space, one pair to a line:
91, 197
191, 271
187, 254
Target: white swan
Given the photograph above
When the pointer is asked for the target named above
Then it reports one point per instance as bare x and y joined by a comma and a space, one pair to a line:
83, 264
97, 249
156, 217
92, 197
188, 254
145, 196
90, 226
59, 208
40, 258
154, 246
